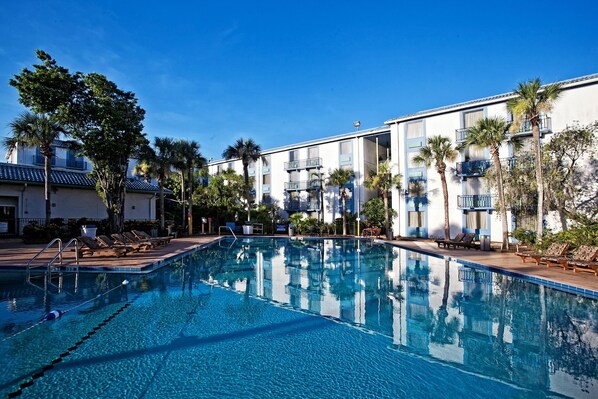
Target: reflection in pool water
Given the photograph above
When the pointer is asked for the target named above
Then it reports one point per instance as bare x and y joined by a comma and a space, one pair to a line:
396, 323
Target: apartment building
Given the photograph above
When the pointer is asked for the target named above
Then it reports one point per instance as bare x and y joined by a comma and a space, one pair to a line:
289, 174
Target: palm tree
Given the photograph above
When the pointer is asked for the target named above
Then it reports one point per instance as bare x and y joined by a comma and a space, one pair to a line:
36, 130
530, 102
437, 152
341, 177
160, 159
384, 181
187, 158
491, 133
247, 151
319, 179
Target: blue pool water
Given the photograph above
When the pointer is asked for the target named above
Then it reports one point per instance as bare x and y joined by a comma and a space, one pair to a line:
272, 318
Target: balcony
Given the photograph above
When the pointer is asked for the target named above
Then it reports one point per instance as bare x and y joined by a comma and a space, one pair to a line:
473, 168
524, 129
476, 201
301, 185
41, 160
251, 172
299, 205
266, 188
309, 163
76, 163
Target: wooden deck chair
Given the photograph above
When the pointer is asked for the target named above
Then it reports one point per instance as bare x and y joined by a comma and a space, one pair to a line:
466, 242
142, 235
138, 246
444, 243
555, 250
91, 246
132, 238
582, 258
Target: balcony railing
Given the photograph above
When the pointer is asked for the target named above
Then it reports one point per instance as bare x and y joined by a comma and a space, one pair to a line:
301, 185
476, 201
76, 163
303, 164
473, 168
298, 205
41, 160
265, 188
524, 128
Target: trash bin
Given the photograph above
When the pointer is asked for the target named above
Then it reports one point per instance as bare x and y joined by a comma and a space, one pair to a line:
89, 230
247, 229
291, 230
485, 243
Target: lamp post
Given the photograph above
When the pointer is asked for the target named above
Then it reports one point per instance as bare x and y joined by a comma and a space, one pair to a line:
356, 125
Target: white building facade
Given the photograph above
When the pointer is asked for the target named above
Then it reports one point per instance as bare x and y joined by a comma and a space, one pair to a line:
288, 173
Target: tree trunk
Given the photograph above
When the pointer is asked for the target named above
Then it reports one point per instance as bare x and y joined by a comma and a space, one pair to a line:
184, 215
321, 200
344, 202
447, 228
190, 201
246, 178
501, 197
386, 216
161, 193
539, 179
48, 187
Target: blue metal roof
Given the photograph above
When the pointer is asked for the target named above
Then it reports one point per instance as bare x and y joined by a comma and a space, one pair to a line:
14, 173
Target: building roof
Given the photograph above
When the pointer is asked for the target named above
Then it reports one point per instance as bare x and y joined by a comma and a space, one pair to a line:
580, 81
13, 173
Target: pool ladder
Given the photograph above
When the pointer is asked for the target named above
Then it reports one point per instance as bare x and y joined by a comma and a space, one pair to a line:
55, 265
226, 227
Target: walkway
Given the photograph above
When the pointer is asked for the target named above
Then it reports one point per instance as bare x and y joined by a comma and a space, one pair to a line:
15, 254
509, 262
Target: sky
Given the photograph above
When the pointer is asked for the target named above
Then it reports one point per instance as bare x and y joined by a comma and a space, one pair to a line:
282, 72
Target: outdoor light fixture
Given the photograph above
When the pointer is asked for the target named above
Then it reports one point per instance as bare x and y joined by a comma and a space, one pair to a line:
356, 125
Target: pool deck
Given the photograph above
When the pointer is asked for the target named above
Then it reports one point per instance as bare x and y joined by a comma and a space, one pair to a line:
15, 255
508, 262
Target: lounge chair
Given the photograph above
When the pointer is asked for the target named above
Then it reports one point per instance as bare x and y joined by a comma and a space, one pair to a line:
582, 259
458, 238
371, 232
466, 242
91, 246
108, 242
132, 238
120, 239
142, 235
555, 250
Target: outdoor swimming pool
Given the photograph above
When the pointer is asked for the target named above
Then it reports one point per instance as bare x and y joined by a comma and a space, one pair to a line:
271, 318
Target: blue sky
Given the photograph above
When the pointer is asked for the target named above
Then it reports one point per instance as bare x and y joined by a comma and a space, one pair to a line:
282, 72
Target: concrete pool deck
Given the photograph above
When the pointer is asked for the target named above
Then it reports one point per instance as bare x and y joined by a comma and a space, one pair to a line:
15, 255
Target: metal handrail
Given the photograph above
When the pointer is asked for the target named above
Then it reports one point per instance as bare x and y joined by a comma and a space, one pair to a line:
58, 240
59, 254
226, 227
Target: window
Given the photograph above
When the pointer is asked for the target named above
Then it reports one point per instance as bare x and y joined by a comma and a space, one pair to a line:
416, 219
346, 147
313, 152
476, 220
470, 118
294, 176
266, 179
411, 163
415, 129
293, 155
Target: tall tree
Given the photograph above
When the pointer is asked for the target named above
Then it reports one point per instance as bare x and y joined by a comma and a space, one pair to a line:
566, 181
318, 178
341, 177
492, 133
160, 157
438, 151
105, 119
384, 182
247, 151
531, 101
187, 158
36, 130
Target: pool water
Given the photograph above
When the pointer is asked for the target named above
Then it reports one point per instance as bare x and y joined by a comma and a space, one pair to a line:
271, 318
